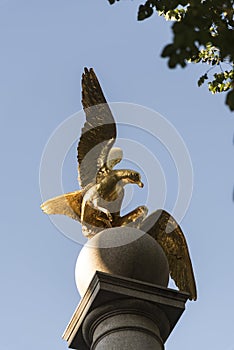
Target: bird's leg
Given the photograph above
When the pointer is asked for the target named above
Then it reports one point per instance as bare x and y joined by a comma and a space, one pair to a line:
90, 200
94, 215
132, 219
104, 210
94, 219
83, 209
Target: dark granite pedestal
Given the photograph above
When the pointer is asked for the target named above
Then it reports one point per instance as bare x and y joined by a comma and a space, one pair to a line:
124, 314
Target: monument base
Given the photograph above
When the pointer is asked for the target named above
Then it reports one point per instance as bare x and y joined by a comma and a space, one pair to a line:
122, 313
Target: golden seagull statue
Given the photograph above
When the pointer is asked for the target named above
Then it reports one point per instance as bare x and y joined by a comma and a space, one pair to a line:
97, 205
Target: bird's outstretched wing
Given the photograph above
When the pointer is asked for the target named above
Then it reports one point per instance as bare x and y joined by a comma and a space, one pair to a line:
67, 204
163, 227
99, 131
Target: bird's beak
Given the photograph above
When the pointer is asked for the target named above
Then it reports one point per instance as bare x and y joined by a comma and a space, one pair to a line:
140, 184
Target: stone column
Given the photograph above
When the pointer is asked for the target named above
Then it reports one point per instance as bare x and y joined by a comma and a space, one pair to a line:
122, 276
126, 324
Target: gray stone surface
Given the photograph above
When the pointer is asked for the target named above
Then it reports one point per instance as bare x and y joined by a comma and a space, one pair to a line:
124, 251
125, 324
139, 310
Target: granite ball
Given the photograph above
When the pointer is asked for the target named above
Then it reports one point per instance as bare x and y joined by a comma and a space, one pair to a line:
122, 251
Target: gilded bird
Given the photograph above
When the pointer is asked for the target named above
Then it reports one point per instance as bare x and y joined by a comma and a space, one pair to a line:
97, 205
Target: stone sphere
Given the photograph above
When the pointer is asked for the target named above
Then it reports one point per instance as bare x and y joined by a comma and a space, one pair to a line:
122, 251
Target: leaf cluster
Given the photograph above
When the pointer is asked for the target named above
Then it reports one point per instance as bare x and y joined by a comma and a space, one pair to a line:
202, 33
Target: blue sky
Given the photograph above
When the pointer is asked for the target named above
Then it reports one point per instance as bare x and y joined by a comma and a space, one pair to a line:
44, 47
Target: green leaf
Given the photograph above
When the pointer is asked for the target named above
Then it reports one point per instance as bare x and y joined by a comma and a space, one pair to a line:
144, 12
202, 79
230, 100
173, 61
168, 50
112, 1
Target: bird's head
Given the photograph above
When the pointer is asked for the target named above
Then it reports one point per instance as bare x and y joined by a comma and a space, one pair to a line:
114, 157
133, 177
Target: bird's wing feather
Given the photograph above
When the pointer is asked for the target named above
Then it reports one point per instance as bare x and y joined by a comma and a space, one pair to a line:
68, 204
163, 227
99, 131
